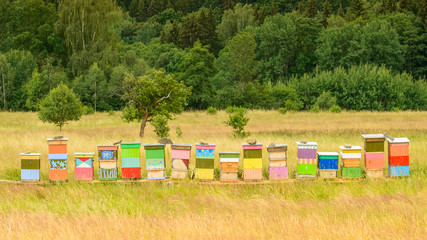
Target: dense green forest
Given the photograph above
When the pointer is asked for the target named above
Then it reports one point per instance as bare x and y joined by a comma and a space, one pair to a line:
264, 54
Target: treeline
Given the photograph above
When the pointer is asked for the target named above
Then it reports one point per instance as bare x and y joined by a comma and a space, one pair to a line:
269, 54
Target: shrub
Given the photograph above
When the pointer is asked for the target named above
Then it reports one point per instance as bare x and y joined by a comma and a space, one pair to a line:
237, 120
315, 109
87, 110
211, 111
178, 131
335, 109
326, 101
111, 112
282, 110
161, 127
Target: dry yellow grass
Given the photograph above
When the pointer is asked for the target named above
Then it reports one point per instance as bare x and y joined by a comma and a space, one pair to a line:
366, 209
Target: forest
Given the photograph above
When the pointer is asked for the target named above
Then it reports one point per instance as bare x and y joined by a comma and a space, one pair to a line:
257, 54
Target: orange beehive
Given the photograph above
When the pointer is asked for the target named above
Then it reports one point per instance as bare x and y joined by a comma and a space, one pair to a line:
57, 154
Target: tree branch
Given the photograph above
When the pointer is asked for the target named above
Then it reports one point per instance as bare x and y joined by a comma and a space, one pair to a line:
161, 99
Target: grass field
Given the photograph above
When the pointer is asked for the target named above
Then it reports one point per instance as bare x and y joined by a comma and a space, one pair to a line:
366, 209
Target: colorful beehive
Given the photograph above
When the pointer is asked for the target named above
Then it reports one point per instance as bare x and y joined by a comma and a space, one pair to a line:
131, 160
83, 166
374, 154
307, 159
107, 157
180, 160
205, 154
57, 155
277, 166
398, 157
328, 164
30, 166
229, 162
351, 157
252, 161
155, 161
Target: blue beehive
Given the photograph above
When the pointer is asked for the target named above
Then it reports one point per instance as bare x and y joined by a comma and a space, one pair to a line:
328, 164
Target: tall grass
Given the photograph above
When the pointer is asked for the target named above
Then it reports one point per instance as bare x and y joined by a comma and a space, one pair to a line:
367, 209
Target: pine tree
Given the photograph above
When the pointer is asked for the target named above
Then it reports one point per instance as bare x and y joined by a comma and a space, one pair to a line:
191, 30
311, 10
404, 5
227, 4
301, 8
358, 9
327, 10
341, 11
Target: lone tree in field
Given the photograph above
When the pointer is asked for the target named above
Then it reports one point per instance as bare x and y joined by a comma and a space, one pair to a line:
155, 94
60, 106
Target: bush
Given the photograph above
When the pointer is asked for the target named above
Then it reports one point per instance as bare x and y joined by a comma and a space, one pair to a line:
178, 131
282, 110
161, 127
315, 109
326, 101
87, 110
211, 111
335, 109
111, 113
237, 120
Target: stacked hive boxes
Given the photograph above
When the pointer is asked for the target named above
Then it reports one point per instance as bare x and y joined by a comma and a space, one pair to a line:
107, 157
351, 157
131, 164
252, 161
57, 158
205, 154
30, 166
180, 160
306, 155
374, 154
229, 166
155, 161
328, 164
398, 157
277, 167
83, 166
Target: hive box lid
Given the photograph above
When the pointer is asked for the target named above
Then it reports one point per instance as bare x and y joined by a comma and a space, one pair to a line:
209, 144
256, 144
398, 140
107, 145
327, 154
307, 144
277, 146
181, 145
84, 153
30, 154
228, 152
125, 143
154, 145
57, 139
351, 148
373, 136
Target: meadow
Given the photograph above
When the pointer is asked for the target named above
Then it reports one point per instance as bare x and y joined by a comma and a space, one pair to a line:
296, 209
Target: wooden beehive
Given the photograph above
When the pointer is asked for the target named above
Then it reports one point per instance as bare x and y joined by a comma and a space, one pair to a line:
229, 162
83, 169
131, 160
205, 161
155, 161
252, 161
306, 159
328, 164
30, 166
57, 155
180, 160
374, 154
398, 157
351, 157
277, 165
107, 157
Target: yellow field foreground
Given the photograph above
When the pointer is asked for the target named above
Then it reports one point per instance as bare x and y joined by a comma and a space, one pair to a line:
360, 209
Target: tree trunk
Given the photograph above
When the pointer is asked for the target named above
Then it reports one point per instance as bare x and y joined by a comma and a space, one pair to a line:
4, 92
95, 95
143, 124
83, 29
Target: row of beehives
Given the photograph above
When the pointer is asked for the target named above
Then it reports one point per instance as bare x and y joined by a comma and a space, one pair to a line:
310, 163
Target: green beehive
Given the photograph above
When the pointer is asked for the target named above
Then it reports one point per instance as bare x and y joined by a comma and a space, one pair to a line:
349, 172
306, 169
